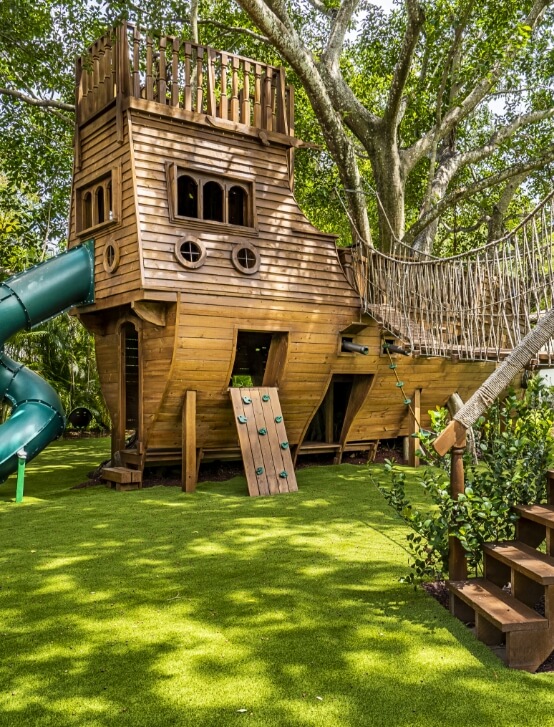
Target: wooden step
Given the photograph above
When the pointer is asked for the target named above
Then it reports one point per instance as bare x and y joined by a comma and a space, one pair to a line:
122, 477
541, 514
502, 610
523, 559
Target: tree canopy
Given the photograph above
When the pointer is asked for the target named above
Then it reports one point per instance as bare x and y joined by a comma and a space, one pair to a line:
434, 118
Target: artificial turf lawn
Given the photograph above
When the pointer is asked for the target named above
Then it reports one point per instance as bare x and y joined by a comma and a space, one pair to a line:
155, 608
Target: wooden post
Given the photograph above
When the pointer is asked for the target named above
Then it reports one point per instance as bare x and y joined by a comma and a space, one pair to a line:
457, 563
413, 428
189, 469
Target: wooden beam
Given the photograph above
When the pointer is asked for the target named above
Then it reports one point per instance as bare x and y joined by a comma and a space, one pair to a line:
453, 435
413, 428
457, 562
189, 468
150, 311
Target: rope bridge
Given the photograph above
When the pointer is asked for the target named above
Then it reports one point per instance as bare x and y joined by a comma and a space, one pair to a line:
477, 305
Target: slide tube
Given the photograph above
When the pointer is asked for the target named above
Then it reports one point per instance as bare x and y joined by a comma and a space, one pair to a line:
27, 300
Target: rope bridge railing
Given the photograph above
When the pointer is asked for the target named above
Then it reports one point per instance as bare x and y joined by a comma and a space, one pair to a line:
477, 305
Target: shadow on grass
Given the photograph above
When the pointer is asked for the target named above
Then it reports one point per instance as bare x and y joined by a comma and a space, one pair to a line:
159, 608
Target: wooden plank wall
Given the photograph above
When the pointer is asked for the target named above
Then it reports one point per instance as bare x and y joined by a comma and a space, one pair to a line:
100, 152
298, 262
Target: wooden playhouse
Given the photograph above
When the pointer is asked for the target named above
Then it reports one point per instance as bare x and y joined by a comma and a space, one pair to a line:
209, 277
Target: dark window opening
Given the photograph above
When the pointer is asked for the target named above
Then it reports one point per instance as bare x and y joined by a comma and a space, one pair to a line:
110, 200
246, 258
187, 196
250, 358
100, 210
237, 206
131, 373
191, 251
110, 256
328, 421
87, 211
213, 201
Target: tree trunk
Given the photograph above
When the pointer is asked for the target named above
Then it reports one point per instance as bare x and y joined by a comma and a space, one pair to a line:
390, 184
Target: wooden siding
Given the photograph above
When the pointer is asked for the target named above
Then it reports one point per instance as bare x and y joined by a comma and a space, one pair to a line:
297, 261
100, 153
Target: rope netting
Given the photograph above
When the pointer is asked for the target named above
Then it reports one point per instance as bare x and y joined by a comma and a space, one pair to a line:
477, 305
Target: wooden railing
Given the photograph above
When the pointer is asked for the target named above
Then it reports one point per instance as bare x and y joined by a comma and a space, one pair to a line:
176, 73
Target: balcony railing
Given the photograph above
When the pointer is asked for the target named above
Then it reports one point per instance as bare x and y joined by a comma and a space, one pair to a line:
175, 73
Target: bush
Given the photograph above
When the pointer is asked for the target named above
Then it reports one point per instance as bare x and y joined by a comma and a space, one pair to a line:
516, 448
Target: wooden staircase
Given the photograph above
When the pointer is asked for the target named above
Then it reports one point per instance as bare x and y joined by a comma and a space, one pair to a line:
512, 607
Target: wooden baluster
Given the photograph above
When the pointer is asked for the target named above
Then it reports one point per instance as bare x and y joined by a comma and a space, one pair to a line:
281, 120
162, 72
175, 72
101, 74
90, 107
224, 101
136, 62
78, 111
245, 110
149, 79
257, 96
212, 110
290, 110
457, 562
108, 78
187, 101
199, 78
235, 110
95, 77
267, 116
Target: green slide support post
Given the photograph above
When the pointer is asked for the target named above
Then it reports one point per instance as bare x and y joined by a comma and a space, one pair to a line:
27, 300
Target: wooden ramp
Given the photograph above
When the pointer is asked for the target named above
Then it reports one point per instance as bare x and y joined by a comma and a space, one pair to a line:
263, 441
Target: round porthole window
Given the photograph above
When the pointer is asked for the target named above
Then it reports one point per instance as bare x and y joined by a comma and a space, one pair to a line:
111, 256
190, 252
246, 258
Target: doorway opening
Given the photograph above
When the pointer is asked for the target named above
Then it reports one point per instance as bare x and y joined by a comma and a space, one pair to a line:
328, 421
260, 358
131, 379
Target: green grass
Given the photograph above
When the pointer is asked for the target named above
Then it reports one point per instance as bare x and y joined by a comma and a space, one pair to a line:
156, 608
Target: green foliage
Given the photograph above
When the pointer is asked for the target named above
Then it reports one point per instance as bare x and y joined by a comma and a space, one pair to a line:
516, 445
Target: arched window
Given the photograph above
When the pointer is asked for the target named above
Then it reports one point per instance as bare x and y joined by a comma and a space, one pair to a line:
187, 196
213, 201
100, 207
110, 200
87, 210
237, 206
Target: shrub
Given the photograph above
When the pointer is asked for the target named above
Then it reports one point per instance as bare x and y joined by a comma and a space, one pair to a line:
516, 448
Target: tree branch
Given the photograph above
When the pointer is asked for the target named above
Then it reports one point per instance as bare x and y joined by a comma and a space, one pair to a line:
50, 104
342, 19
416, 18
477, 94
318, 5
235, 29
478, 186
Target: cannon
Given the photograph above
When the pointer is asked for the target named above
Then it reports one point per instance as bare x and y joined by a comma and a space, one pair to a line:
352, 347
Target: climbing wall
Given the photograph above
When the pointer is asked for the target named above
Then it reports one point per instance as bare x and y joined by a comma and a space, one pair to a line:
263, 441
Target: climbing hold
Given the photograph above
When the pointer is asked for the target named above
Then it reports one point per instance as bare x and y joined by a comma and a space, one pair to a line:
284, 445
392, 366
278, 420
283, 475
407, 401
262, 431
247, 399
242, 419
259, 471
400, 384
265, 397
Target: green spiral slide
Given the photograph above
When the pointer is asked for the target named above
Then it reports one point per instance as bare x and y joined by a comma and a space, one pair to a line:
26, 300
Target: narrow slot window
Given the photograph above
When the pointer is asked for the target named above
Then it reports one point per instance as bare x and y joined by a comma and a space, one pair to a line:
237, 206
213, 201
100, 207
187, 196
